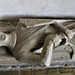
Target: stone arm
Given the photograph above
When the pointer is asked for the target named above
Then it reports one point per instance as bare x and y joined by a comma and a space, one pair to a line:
28, 57
51, 41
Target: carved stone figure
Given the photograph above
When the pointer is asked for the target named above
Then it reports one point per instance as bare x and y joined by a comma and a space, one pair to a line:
25, 42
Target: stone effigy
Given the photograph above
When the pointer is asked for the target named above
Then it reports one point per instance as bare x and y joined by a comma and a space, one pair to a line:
25, 42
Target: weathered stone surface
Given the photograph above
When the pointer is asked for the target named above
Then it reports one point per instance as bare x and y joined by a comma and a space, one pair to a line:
53, 72
23, 72
56, 53
12, 72
2, 73
65, 70
39, 72
67, 74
